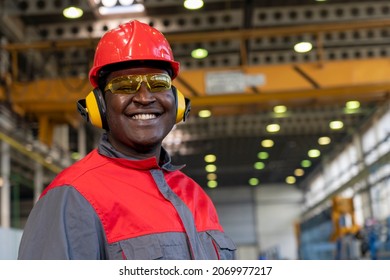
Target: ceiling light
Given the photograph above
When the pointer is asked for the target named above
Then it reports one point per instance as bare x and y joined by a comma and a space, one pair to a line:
29, 147
253, 181
303, 47
193, 4
212, 184
273, 128
352, 105
299, 172
126, 2
259, 165
211, 176
280, 109
199, 53
325, 140
72, 12
263, 155
305, 163
49, 159
211, 168
210, 158
267, 143
204, 113
336, 125
290, 180
117, 10
75, 156
314, 153
109, 3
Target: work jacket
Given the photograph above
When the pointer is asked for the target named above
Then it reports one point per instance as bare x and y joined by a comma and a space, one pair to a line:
110, 206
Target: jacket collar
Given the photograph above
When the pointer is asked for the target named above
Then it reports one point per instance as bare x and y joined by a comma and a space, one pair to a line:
106, 149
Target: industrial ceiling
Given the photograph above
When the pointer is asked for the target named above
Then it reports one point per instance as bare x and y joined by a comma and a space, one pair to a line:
251, 67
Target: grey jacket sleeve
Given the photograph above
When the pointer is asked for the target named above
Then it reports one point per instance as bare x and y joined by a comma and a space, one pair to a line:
62, 225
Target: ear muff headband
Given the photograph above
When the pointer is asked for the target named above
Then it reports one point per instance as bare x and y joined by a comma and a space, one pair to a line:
93, 108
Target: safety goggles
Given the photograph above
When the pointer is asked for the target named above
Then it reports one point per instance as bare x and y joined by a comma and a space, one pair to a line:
129, 84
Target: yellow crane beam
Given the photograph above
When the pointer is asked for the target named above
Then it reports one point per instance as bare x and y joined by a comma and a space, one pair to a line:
367, 79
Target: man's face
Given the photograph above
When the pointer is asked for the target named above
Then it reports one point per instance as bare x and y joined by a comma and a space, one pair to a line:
138, 122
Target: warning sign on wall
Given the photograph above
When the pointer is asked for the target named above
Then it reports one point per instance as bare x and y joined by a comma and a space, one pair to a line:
231, 82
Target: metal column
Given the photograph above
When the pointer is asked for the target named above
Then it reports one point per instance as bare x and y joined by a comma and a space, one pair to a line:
5, 188
82, 141
38, 181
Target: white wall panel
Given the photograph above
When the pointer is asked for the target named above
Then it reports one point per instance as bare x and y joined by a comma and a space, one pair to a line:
235, 207
278, 208
9, 243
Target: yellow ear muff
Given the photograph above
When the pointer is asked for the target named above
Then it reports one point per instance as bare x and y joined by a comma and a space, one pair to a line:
93, 110
181, 106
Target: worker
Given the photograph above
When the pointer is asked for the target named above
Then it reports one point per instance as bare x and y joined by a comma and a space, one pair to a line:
126, 199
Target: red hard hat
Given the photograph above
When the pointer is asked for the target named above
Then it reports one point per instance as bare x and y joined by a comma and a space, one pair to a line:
132, 41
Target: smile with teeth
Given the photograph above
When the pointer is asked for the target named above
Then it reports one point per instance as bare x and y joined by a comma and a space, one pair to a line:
144, 116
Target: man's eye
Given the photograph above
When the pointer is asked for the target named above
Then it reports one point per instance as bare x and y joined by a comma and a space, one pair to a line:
160, 84
156, 85
125, 89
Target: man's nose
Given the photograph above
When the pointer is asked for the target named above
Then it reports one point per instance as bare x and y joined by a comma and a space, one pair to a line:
143, 95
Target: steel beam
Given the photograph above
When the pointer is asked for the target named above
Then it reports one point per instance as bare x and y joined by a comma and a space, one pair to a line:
210, 36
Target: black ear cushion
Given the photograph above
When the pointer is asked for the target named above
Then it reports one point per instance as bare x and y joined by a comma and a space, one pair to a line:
187, 110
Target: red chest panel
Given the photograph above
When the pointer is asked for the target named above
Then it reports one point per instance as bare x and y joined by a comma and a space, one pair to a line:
128, 200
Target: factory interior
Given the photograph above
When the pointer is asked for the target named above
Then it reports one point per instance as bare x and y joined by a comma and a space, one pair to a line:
289, 129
